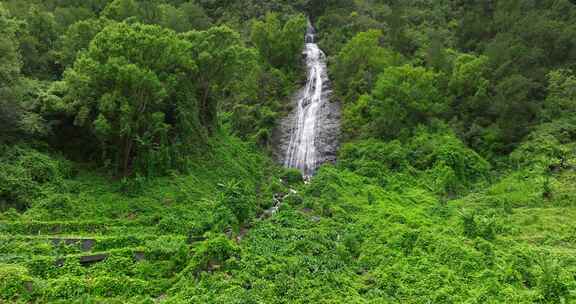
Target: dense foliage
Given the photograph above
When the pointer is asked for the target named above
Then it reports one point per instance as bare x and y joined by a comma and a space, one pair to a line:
147, 79
135, 140
493, 58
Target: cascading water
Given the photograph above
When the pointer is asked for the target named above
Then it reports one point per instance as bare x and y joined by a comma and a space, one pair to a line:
313, 127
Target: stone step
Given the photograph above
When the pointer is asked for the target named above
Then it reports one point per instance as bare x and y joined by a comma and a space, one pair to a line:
88, 242
57, 227
12, 244
30, 246
138, 253
86, 260
90, 249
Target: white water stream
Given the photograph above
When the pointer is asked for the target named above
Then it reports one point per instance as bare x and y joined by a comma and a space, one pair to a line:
303, 150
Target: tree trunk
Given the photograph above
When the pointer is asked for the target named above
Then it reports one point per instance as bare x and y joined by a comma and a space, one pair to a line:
128, 143
206, 116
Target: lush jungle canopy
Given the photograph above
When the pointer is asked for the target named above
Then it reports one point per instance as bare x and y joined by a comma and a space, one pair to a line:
136, 141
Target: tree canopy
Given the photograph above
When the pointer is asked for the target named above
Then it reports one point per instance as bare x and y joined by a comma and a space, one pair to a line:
138, 141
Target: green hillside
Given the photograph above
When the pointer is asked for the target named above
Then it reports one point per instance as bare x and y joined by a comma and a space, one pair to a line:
137, 141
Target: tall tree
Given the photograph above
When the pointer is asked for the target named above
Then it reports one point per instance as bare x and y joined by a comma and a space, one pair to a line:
279, 43
403, 98
38, 43
78, 37
358, 64
121, 9
10, 64
133, 91
150, 95
220, 58
561, 99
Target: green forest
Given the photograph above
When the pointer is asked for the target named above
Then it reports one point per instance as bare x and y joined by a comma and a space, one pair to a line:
137, 143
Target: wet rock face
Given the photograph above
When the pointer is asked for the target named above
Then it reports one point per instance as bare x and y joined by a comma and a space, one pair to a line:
308, 136
328, 133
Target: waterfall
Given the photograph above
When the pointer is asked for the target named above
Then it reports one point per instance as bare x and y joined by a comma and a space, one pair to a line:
314, 124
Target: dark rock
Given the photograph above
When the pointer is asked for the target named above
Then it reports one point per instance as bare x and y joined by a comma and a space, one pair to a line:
88, 244
59, 262
89, 259
228, 231
139, 256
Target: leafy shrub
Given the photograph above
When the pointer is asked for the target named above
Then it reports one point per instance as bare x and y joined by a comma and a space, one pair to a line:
553, 283
292, 176
236, 197
294, 199
487, 249
23, 172
66, 287
13, 282
551, 144
459, 166
561, 99
133, 186
373, 158
172, 223
325, 183
41, 266
485, 226
57, 206
119, 264
41, 167
445, 164
167, 247
118, 286
10, 214
217, 249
